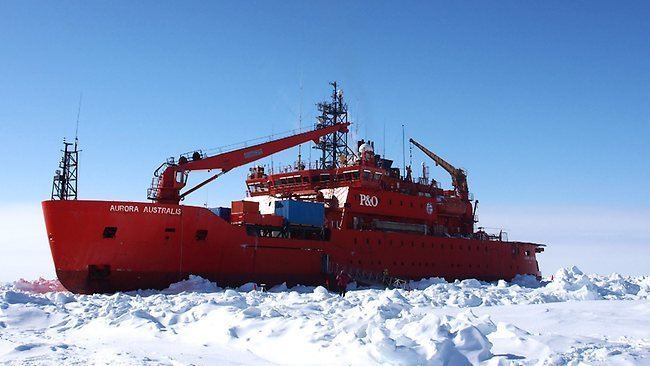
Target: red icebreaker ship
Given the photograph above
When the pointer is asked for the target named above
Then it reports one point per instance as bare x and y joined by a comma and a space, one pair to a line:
352, 210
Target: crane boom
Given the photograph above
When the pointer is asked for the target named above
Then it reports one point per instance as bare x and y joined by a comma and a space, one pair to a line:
173, 178
458, 176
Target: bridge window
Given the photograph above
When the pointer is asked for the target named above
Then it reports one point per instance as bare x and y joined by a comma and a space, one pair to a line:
258, 187
180, 177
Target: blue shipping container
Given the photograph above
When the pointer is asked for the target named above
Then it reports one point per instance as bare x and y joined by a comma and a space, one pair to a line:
223, 212
301, 212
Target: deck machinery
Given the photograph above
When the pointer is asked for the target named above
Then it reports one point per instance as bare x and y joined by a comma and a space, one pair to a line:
352, 210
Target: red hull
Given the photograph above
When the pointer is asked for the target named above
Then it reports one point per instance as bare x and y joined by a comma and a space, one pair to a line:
155, 245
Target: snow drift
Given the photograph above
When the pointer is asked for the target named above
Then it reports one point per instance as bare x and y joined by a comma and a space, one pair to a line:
435, 323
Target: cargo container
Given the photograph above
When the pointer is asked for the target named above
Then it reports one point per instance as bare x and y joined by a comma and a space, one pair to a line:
245, 206
301, 212
223, 212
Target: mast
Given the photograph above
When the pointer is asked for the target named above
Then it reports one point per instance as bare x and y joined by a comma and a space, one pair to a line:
334, 147
64, 184
300, 165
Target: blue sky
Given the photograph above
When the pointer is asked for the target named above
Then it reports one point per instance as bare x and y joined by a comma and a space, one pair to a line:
546, 104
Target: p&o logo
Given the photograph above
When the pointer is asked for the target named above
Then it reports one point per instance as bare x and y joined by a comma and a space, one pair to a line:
369, 201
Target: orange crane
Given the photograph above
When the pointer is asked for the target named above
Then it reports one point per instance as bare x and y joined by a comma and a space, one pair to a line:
458, 176
168, 184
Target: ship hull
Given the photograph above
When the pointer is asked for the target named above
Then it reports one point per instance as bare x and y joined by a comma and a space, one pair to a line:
108, 246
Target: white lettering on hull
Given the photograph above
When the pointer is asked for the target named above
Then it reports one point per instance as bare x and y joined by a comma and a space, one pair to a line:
155, 210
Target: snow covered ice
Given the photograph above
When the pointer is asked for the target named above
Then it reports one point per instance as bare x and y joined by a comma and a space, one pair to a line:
574, 319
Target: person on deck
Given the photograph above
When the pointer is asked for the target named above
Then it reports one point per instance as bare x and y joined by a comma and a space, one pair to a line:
342, 281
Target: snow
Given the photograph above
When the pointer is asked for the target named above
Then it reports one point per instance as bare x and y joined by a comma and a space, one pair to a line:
573, 319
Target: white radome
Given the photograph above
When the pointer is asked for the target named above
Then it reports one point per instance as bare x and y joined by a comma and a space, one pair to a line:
365, 148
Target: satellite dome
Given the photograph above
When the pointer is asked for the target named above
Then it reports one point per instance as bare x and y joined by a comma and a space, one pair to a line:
365, 147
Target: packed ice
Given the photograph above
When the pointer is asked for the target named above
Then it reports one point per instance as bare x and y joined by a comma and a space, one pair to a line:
570, 318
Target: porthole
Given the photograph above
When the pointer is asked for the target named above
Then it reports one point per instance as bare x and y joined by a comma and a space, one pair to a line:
201, 235
109, 232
